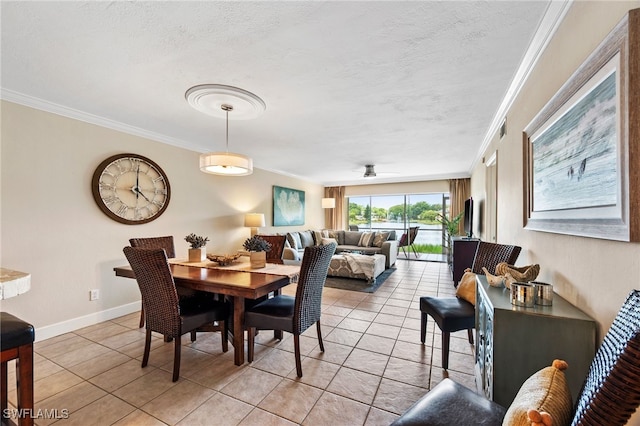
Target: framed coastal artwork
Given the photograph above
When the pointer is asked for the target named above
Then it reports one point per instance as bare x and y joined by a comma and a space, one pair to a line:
288, 206
581, 151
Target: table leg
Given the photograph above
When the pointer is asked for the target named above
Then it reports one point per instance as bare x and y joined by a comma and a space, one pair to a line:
238, 330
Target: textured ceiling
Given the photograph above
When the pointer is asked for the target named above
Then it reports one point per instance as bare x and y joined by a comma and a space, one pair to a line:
411, 87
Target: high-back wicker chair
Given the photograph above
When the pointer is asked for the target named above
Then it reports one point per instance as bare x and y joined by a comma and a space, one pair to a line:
488, 255
294, 314
165, 312
165, 243
277, 247
610, 394
455, 314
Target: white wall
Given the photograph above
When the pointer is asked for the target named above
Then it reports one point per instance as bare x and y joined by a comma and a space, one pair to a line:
52, 228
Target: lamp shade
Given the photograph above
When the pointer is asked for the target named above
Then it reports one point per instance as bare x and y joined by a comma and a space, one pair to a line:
254, 220
226, 163
328, 203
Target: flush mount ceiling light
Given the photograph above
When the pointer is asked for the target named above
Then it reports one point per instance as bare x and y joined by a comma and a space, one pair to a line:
218, 100
369, 172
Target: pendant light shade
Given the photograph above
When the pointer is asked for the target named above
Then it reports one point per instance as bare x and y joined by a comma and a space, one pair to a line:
216, 100
226, 163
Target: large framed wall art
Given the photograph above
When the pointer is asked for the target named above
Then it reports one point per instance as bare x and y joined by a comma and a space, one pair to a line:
288, 206
581, 152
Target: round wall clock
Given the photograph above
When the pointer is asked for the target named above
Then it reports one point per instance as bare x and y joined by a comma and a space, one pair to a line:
131, 189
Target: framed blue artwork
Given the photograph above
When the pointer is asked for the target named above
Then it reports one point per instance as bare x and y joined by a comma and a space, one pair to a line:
288, 206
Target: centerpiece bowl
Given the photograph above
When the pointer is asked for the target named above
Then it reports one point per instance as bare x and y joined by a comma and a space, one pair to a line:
223, 259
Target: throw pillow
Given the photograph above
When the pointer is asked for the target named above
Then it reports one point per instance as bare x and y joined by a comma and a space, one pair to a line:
335, 235
380, 238
306, 239
327, 241
294, 240
466, 290
545, 391
366, 239
317, 238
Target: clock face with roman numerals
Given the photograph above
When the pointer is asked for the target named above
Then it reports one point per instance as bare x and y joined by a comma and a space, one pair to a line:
131, 189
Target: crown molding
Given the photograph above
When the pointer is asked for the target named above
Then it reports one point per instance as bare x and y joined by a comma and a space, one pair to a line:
51, 107
553, 17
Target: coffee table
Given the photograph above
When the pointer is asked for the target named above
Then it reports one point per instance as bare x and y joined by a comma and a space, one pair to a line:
367, 267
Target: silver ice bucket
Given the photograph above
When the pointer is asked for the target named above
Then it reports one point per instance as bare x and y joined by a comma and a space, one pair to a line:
522, 294
543, 293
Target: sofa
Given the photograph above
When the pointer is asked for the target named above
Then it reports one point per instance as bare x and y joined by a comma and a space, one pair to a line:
348, 241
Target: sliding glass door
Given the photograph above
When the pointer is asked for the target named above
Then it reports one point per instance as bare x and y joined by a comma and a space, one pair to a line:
399, 213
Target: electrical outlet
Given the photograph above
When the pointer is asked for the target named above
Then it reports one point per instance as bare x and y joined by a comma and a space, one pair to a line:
94, 294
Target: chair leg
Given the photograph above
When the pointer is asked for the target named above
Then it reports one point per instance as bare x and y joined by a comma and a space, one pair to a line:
4, 403
445, 349
225, 335
423, 327
414, 251
193, 336
147, 348
176, 359
470, 334
141, 317
296, 348
251, 339
319, 336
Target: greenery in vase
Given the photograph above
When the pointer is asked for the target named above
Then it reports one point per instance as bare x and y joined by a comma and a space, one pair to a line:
256, 243
196, 241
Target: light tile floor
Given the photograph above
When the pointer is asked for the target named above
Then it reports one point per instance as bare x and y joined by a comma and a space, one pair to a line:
373, 368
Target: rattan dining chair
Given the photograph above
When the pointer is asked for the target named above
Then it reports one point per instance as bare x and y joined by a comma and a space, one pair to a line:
277, 247
165, 243
455, 314
610, 393
294, 314
165, 313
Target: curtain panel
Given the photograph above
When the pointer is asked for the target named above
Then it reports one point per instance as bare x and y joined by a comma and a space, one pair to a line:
334, 218
459, 191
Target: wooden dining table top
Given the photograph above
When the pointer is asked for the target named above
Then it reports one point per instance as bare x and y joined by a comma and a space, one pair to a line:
233, 283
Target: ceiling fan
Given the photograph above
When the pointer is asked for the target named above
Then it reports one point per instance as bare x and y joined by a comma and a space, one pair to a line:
370, 172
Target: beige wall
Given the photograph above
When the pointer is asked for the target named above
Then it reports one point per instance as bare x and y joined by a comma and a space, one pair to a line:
594, 274
52, 228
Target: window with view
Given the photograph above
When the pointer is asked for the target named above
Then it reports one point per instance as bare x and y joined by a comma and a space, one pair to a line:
399, 212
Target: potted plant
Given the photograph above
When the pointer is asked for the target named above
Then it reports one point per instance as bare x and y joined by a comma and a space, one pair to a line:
197, 252
452, 227
257, 248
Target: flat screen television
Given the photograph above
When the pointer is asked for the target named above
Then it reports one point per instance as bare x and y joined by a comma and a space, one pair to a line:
468, 217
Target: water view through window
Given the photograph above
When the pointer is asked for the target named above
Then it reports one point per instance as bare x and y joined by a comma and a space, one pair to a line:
399, 212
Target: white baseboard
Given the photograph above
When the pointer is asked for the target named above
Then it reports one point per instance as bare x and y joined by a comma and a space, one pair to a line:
53, 330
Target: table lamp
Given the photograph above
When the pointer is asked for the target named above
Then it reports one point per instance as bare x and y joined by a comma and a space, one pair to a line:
254, 221
328, 203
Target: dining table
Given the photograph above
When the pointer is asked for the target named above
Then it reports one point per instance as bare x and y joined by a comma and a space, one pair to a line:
236, 284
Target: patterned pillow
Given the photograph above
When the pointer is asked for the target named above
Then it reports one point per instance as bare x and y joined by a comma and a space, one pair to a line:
294, 240
366, 239
327, 241
545, 391
317, 237
380, 238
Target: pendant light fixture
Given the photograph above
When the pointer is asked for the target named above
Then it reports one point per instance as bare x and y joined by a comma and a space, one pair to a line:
226, 163
219, 100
